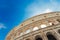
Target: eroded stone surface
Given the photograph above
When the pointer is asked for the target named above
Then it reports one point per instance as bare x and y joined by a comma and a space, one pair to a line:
38, 25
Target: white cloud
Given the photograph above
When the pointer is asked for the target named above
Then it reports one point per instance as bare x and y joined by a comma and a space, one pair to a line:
2, 26
47, 10
39, 7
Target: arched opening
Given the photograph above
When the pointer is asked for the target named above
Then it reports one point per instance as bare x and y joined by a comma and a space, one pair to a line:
35, 28
50, 36
59, 31
27, 39
43, 26
38, 37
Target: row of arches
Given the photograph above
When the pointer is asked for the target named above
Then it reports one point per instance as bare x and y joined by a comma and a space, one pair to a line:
49, 35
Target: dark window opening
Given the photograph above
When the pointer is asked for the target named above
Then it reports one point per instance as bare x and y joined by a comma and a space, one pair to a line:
38, 38
51, 37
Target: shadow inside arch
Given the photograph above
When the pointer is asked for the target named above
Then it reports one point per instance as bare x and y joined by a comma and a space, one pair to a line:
50, 36
38, 37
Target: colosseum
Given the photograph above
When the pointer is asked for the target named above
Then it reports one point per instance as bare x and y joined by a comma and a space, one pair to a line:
41, 27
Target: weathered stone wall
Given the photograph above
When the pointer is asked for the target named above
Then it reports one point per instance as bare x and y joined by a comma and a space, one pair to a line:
51, 20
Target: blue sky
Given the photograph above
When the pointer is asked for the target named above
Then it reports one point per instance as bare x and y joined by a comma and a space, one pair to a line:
13, 12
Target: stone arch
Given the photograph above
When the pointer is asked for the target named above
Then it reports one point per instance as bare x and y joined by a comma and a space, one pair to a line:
50, 36
38, 37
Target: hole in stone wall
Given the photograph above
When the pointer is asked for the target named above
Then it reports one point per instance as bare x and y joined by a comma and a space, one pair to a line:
38, 38
57, 14
43, 26
35, 28
59, 31
50, 36
27, 31
58, 20
27, 39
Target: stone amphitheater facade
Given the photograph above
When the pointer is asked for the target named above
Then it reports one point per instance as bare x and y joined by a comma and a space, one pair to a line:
41, 27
